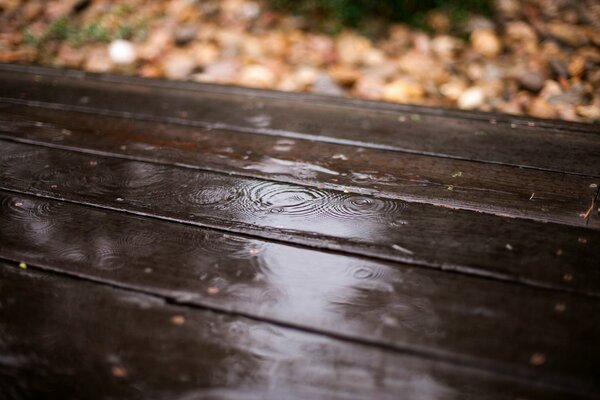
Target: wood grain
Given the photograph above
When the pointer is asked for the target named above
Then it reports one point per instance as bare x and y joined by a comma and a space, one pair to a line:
529, 252
488, 188
122, 344
426, 133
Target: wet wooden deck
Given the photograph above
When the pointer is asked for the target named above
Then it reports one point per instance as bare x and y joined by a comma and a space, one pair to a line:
188, 241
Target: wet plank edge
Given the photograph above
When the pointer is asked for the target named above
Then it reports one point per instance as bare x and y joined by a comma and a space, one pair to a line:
530, 123
464, 241
563, 199
74, 229
524, 148
153, 310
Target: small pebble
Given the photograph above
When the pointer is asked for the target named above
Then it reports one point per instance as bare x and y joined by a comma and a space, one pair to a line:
567, 277
118, 371
122, 52
471, 98
537, 359
178, 319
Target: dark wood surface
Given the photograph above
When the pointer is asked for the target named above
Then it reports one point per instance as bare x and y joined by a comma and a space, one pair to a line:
82, 340
416, 132
393, 305
180, 240
459, 184
511, 249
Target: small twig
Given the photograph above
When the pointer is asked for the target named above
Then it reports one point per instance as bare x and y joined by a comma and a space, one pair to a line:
402, 249
589, 211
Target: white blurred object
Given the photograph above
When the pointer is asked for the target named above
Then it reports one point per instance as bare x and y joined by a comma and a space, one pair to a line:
121, 52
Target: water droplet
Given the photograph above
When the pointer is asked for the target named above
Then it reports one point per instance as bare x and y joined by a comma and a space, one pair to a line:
363, 273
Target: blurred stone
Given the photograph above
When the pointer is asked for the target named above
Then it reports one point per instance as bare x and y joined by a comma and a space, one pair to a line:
532, 80
374, 57
508, 8
551, 88
453, 89
122, 52
150, 71
486, 42
559, 67
568, 34
178, 65
69, 56
541, 109
471, 98
306, 76
205, 53
324, 84
351, 48
591, 112
479, 23
370, 87
577, 66
438, 21
521, 36
403, 91
184, 34
344, 75
98, 60
250, 10
156, 44
31, 10
219, 72
445, 46
575, 95
256, 75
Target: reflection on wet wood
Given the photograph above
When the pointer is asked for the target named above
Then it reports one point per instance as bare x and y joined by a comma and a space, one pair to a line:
247, 110
82, 340
501, 248
419, 309
490, 188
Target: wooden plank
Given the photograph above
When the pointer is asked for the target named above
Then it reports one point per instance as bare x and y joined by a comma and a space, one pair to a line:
72, 339
516, 250
470, 321
317, 99
490, 188
578, 149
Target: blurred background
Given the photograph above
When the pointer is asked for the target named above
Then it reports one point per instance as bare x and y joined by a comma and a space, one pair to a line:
533, 57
